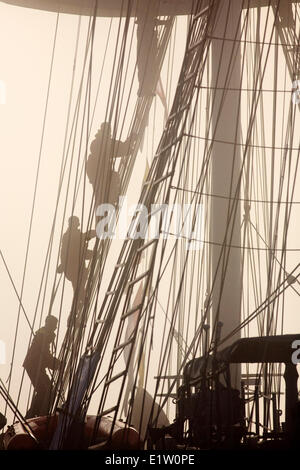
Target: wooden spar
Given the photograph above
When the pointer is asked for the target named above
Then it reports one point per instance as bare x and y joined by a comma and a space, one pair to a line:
113, 8
123, 437
106, 8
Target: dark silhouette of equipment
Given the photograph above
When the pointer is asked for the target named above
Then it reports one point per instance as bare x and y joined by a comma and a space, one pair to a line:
38, 359
211, 413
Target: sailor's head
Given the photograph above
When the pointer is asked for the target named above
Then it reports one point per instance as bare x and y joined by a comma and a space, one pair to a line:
105, 129
51, 323
73, 222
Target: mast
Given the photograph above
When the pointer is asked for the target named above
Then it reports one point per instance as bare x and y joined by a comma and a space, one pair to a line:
225, 170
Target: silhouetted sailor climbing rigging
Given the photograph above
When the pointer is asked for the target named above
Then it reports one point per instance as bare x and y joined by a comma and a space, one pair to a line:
101, 162
73, 254
39, 358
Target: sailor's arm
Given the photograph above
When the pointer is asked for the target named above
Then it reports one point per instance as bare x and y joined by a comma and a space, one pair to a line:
123, 149
52, 362
88, 254
63, 253
90, 234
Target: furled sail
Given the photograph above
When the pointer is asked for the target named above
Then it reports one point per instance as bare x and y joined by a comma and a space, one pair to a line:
107, 8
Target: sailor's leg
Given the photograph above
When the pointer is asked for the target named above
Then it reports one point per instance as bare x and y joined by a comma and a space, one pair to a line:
32, 411
82, 286
43, 394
